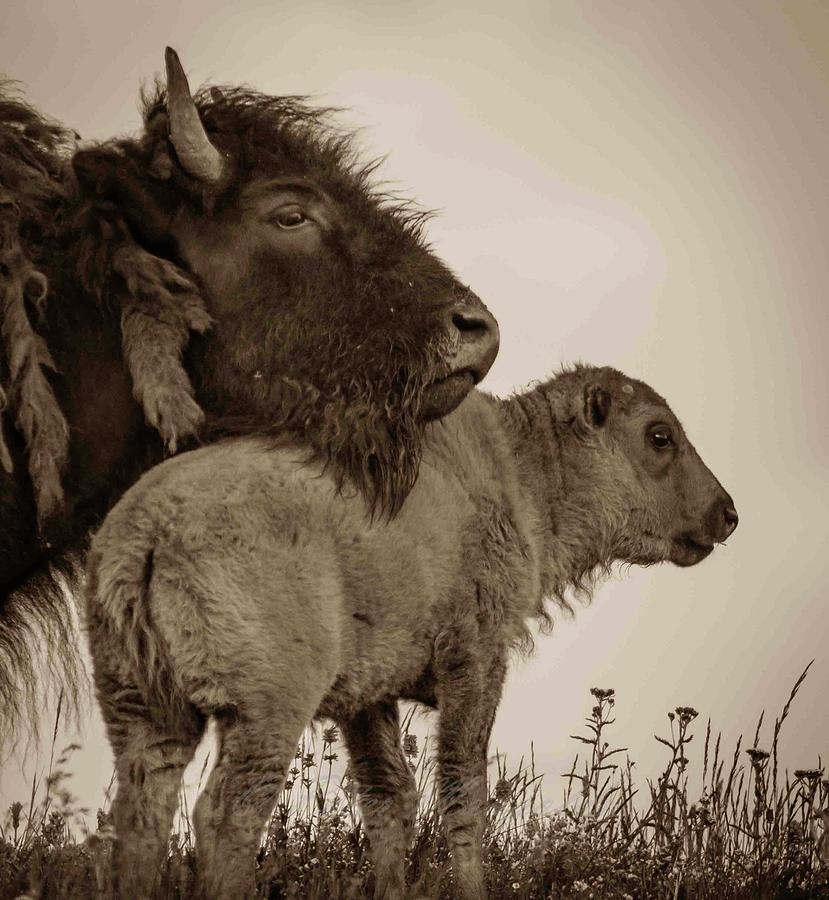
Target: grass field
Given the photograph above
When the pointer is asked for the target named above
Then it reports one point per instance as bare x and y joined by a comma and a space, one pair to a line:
750, 831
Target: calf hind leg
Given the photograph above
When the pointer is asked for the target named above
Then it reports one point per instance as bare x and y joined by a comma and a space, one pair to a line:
149, 761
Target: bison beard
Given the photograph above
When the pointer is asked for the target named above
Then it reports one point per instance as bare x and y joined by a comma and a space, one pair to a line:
361, 412
342, 348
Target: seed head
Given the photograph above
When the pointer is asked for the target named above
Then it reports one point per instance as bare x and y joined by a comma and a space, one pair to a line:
503, 790
808, 774
54, 829
686, 713
410, 745
602, 693
758, 757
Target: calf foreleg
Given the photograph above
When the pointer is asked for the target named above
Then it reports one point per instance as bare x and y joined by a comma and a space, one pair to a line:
468, 692
230, 815
388, 795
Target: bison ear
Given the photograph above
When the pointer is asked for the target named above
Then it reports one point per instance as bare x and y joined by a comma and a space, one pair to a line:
596, 406
119, 181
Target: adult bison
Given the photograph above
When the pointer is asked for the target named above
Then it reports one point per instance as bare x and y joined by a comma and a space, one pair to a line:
233, 581
230, 270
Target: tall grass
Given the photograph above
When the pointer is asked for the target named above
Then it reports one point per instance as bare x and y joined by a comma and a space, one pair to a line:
726, 825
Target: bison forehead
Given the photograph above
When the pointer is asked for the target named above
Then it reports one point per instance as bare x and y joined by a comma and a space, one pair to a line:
281, 137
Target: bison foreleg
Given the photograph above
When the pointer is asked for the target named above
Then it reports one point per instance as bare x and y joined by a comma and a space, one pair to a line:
388, 795
468, 691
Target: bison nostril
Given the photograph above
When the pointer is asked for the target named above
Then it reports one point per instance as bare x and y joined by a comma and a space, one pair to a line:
477, 331
476, 325
466, 322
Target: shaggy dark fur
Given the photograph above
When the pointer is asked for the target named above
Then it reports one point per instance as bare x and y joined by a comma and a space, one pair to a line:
100, 307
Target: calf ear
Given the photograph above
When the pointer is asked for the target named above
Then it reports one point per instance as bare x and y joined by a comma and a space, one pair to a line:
596, 406
147, 207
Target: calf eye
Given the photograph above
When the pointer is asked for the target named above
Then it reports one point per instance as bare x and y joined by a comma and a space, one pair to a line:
661, 439
290, 218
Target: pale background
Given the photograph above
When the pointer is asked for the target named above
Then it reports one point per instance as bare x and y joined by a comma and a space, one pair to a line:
640, 184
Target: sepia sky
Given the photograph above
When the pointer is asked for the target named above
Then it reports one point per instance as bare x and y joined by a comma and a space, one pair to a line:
642, 185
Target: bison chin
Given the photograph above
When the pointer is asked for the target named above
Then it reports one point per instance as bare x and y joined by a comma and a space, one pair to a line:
445, 394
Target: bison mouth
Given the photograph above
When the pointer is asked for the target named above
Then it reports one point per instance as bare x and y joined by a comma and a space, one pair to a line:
445, 394
687, 551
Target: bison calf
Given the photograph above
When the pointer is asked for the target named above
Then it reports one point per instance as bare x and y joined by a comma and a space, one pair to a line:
236, 582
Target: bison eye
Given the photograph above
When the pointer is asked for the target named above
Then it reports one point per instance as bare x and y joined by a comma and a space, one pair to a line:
661, 438
290, 218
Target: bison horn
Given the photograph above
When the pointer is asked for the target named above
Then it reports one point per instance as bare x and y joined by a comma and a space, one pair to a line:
196, 154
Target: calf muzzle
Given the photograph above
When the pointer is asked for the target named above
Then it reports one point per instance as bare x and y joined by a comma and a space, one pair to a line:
692, 546
722, 519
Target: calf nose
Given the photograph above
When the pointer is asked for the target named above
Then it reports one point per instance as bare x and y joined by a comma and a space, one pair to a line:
722, 518
731, 518
479, 339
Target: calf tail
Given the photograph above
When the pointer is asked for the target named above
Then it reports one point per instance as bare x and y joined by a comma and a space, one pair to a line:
125, 643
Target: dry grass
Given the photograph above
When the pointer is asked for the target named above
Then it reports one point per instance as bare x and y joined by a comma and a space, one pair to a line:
749, 832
